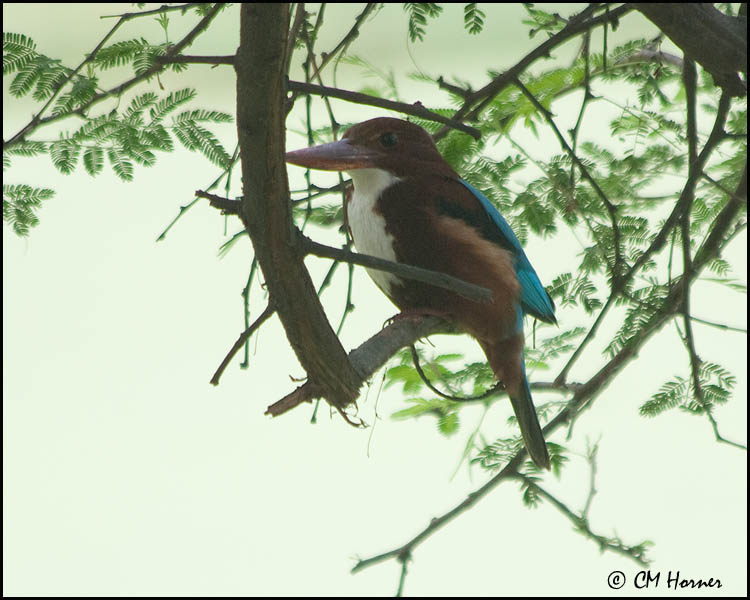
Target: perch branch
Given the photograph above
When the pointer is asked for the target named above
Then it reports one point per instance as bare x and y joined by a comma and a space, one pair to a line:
370, 356
436, 278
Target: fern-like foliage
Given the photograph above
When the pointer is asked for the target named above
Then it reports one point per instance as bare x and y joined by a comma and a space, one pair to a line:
132, 135
18, 51
39, 76
473, 18
716, 385
20, 203
418, 13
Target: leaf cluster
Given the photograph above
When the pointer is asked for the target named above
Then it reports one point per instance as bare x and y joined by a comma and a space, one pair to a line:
124, 136
420, 12
131, 135
716, 385
19, 205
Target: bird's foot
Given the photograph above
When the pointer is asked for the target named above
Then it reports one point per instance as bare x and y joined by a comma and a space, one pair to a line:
415, 314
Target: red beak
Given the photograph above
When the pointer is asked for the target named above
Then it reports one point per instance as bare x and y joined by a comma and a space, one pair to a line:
336, 156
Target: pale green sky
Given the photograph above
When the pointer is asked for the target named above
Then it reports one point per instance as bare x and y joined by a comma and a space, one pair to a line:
126, 473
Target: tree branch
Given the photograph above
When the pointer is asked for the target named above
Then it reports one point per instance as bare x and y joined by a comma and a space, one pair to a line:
611, 208
369, 356
436, 278
580, 522
716, 135
416, 109
579, 23
437, 523
226, 205
266, 210
244, 336
716, 41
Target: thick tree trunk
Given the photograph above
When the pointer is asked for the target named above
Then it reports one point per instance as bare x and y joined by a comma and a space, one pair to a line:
266, 210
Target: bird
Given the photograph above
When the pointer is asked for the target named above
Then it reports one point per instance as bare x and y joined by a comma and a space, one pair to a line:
410, 206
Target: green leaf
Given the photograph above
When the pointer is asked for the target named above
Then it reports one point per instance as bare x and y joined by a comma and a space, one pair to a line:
405, 375
170, 103
79, 94
20, 203
18, 51
198, 115
120, 53
418, 15
448, 424
93, 160
473, 18
419, 407
122, 167
196, 138
65, 155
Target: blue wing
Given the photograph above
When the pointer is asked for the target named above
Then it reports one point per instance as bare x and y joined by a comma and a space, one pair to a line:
534, 298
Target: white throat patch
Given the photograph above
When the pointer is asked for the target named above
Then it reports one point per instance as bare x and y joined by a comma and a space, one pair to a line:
368, 227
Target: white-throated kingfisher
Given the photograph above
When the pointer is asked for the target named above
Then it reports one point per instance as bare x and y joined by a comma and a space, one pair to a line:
411, 207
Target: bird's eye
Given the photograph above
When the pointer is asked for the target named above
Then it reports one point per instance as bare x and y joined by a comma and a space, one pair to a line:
388, 140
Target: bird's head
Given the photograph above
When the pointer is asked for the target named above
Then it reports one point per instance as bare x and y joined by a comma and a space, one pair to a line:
393, 145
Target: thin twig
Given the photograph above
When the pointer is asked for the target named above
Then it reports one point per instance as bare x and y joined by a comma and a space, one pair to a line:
227, 59
187, 207
225, 205
586, 97
635, 553
661, 237
608, 205
244, 336
436, 278
508, 472
475, 103
719, 325
155, 11
299, 19
498, 387
416, 109
689, 77
591, 459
